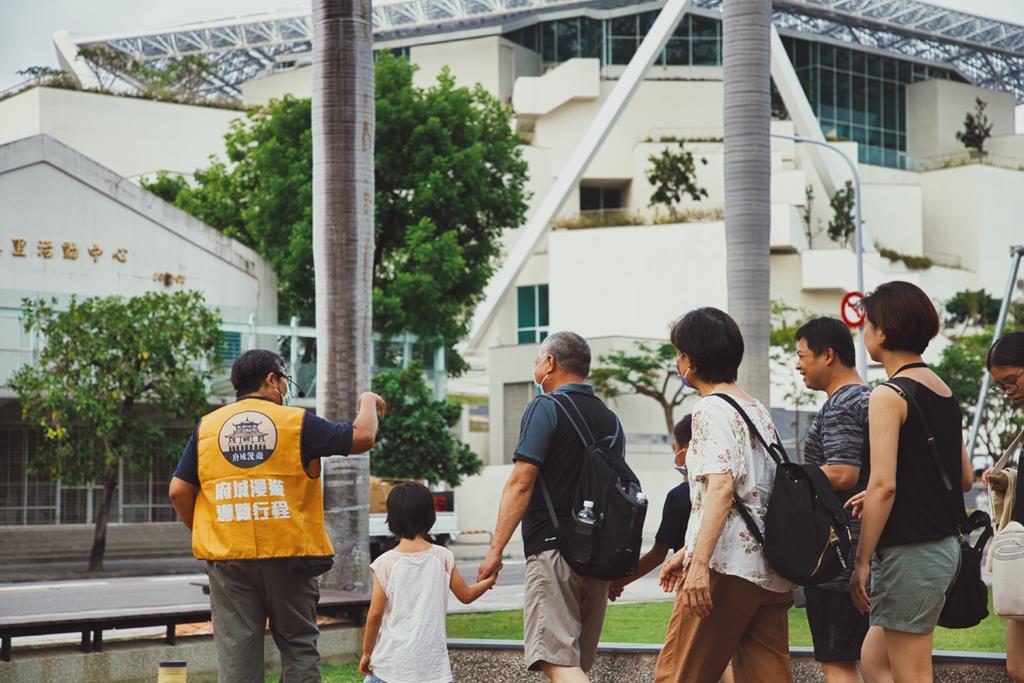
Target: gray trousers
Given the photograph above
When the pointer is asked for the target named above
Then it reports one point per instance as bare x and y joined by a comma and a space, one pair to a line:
243, 595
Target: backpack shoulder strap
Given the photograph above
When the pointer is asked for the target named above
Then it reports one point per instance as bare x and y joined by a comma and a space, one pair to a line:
586, 443
775, 450
748, 519
933, 446
572, 421
1008, 453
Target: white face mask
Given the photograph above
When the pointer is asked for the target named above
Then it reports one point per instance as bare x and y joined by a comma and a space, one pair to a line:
681, 469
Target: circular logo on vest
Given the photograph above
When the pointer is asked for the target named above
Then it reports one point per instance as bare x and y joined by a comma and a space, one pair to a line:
248, 439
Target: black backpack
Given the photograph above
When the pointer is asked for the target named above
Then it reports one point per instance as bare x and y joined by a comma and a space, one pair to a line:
608, 547
807, 538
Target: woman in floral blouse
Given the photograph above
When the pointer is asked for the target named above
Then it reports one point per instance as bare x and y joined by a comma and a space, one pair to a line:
729, 604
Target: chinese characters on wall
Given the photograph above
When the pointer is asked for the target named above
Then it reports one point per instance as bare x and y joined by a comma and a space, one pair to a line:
44, 249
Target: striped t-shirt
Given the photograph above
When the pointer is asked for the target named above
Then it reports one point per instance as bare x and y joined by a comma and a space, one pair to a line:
838, 436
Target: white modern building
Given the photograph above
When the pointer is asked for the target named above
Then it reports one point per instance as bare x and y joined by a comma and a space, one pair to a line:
71, 227
889, 82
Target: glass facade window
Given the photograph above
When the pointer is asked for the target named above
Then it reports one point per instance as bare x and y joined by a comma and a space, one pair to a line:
532, 313
230, 348
696, 41
860, 96
856, 95
27, 498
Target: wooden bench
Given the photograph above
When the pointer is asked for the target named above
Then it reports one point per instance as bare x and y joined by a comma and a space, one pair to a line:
92, 623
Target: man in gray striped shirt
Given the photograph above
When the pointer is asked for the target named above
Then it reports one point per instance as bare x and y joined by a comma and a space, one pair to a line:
837, 442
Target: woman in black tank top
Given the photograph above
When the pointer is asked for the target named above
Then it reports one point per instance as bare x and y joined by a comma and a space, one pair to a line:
1006, 365
909, 552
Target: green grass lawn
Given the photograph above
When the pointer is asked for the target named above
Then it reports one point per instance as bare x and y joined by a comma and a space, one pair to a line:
645, 623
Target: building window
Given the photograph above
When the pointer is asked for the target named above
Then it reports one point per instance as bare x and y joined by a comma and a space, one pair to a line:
532, 314
31, 498
697, 40
601, 198
230, 348
860, 96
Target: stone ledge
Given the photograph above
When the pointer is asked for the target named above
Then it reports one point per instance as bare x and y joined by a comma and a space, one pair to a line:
137, 661
501, 661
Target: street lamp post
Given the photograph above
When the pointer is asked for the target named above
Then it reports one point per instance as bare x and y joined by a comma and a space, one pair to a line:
858, 235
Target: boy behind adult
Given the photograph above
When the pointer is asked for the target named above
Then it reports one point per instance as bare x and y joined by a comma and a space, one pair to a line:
835, 441
562, 612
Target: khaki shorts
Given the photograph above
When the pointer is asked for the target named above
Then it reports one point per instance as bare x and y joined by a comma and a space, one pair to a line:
562, 613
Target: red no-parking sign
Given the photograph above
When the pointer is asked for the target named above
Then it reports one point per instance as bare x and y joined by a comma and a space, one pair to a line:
851, 310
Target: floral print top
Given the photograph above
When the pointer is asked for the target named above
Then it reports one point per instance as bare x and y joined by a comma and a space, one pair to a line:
721, 443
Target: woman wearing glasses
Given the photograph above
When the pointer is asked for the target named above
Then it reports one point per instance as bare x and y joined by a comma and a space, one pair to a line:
1006, 365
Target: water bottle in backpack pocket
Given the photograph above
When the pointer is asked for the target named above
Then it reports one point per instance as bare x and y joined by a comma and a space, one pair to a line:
583, 539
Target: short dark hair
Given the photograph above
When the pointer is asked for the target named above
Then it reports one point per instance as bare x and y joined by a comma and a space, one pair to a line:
683, 431
1008, 350
570, 351
410, 510
905, 314
712, 341
249, 370
826, 333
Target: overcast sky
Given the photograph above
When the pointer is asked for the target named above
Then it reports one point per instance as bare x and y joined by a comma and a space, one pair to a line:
26, 26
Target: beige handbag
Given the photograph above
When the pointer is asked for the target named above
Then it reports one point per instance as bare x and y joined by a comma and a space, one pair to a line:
1008, 552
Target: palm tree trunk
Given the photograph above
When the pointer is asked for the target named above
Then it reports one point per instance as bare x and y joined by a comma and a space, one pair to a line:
343, 134
747, 51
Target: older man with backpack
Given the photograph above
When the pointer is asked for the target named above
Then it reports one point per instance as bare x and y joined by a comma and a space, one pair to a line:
581, 509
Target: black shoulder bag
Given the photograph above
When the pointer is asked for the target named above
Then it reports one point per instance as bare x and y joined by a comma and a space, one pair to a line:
967, 597
807, 537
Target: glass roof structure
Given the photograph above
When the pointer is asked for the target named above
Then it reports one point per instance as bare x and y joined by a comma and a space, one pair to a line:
984, 51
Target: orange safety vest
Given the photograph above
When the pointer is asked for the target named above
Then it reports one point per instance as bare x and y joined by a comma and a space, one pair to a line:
255, 501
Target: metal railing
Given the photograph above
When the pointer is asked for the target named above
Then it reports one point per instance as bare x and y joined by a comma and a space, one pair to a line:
18, 348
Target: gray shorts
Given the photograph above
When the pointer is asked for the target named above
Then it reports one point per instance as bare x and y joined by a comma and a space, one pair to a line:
562, 613
909, 584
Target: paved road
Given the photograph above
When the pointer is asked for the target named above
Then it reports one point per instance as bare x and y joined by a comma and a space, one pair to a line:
28, 598
24, 599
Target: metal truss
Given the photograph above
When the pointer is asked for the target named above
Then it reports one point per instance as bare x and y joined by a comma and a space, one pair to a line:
986, 52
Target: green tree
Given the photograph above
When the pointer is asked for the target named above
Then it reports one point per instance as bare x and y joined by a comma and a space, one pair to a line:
842, 226
648, 370
963, 368
674, 176
449, 179
785, 321
972, 308
977, 128
416, 438
114, 379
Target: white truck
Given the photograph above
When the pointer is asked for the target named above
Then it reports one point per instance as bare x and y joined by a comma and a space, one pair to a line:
444, 531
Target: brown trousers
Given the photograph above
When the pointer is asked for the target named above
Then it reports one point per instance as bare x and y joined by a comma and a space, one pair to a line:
747, 624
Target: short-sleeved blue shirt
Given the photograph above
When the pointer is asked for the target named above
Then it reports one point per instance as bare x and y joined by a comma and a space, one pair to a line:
320, 438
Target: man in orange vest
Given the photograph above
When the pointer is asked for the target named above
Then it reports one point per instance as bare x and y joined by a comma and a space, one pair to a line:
248, 487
